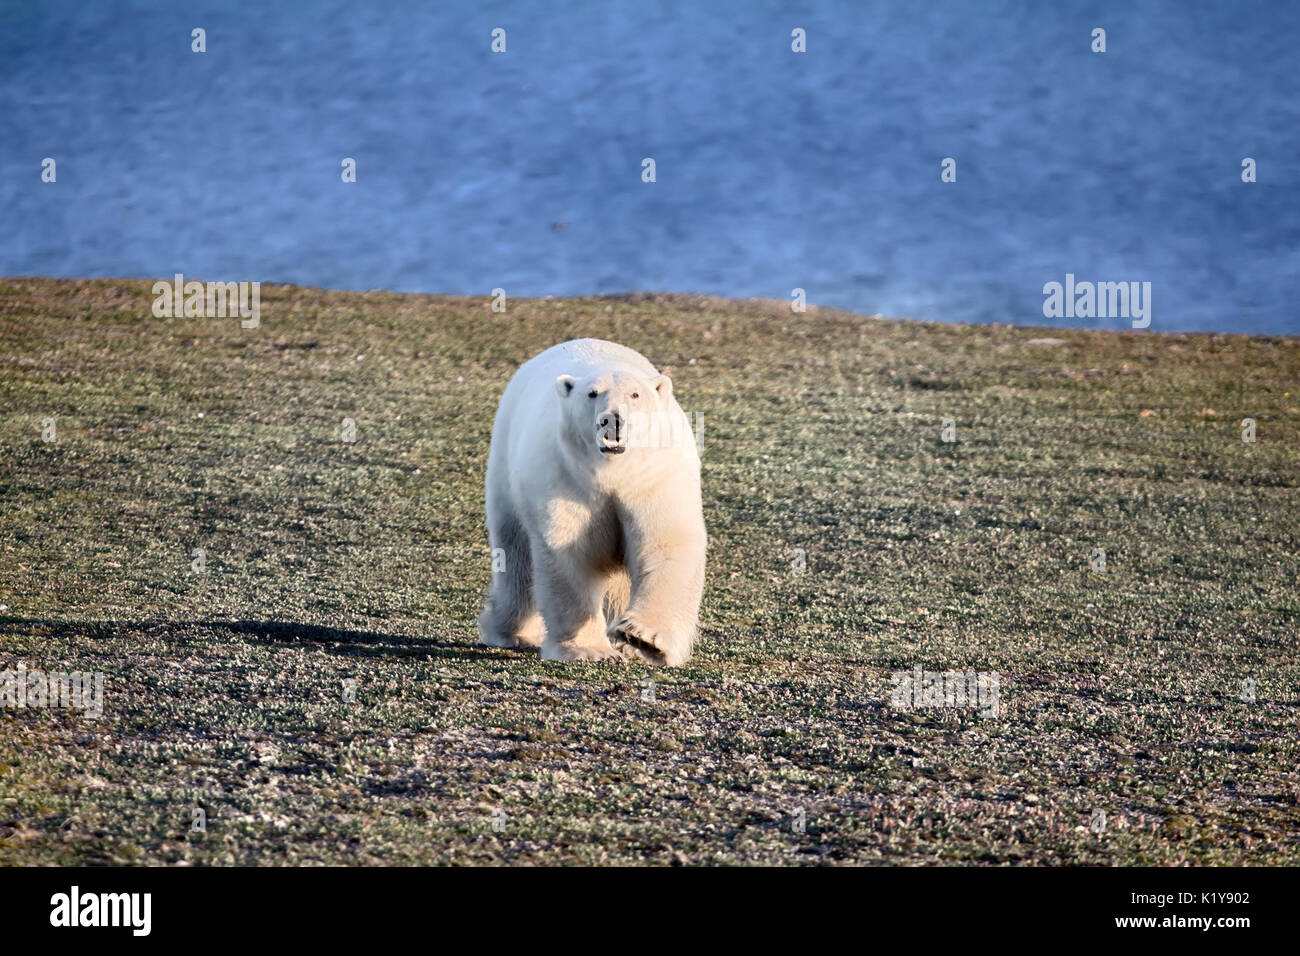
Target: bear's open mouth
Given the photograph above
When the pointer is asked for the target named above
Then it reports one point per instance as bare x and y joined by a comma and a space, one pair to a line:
607, 449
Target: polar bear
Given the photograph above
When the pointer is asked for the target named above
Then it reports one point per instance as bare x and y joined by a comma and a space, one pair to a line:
593, 510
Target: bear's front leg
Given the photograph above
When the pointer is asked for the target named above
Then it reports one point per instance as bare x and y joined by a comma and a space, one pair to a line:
570, 595
666, 566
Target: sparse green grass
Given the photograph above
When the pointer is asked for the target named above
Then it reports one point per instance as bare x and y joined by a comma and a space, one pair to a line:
326, 561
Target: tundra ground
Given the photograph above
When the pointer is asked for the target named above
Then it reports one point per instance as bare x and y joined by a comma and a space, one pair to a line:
848, 542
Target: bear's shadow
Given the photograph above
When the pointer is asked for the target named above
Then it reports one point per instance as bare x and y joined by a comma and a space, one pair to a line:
338, 640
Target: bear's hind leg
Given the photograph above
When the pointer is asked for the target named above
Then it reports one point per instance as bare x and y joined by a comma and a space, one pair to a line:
510, 617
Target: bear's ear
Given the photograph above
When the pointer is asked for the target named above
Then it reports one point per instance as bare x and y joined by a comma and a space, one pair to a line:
664, 386
564, 385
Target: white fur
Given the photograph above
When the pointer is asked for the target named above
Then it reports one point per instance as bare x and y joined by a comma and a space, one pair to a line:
604, 552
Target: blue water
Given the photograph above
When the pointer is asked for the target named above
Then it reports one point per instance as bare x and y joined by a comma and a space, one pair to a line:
774, 170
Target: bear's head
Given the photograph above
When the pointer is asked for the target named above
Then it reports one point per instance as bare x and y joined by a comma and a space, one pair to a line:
607, 415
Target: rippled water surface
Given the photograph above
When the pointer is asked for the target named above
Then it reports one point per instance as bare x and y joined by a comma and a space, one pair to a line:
774, 170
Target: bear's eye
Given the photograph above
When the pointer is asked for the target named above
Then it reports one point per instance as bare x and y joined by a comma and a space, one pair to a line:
592, 393
635, 395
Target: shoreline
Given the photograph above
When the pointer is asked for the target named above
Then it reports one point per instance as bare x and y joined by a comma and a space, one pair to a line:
676, 299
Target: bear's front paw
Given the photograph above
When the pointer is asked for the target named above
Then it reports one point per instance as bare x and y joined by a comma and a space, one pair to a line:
496, 639
568, 651
634, 638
